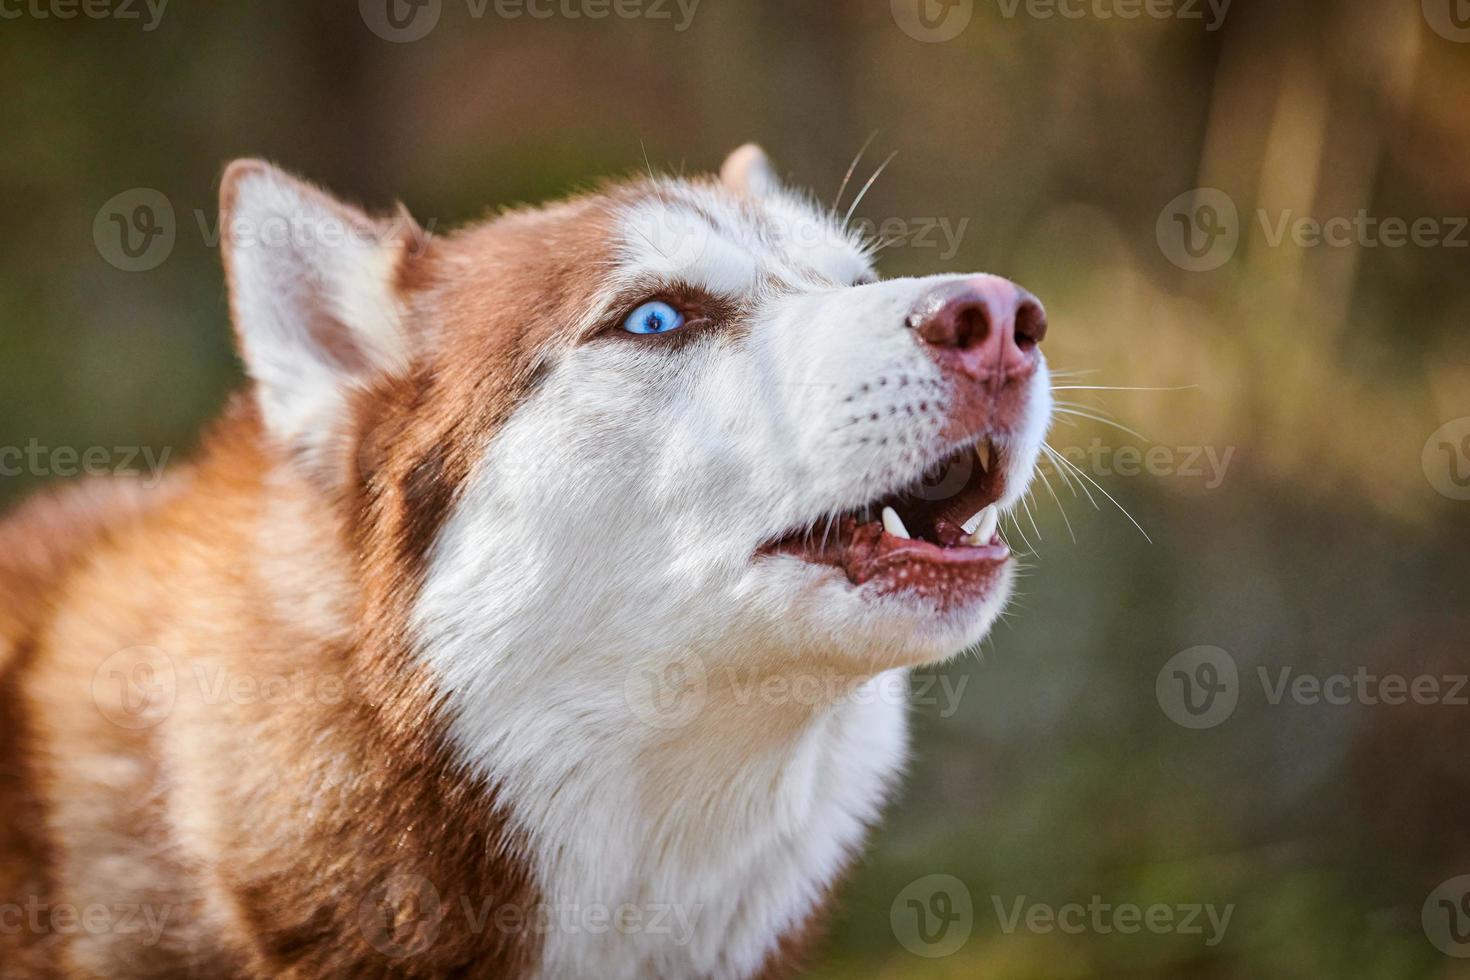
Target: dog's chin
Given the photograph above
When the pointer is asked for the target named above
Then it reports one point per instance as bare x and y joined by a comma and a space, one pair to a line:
921, 631
874, 629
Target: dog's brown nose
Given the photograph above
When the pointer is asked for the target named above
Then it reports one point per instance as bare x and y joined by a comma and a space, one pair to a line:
985, 326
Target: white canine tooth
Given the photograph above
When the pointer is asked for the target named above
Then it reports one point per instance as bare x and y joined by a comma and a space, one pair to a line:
893, 524
982, 452
984, 523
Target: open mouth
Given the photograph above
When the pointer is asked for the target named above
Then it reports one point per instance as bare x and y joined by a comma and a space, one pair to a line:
939, 536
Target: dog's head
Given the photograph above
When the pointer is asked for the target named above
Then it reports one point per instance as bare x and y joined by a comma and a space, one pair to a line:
671, 417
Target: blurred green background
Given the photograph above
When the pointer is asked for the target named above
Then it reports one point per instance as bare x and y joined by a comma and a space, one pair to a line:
1328, 538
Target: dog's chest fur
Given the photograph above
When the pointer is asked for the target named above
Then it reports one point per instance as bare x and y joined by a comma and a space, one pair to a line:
700, 855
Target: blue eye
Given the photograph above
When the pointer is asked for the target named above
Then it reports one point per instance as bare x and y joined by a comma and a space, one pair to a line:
653, 317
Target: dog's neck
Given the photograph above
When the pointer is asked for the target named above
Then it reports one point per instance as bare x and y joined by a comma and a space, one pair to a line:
724, 833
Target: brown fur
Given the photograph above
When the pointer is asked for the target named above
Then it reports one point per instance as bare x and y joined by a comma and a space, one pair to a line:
297, 834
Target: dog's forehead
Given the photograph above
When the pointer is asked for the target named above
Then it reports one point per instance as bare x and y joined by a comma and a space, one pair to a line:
732, 244
541, 277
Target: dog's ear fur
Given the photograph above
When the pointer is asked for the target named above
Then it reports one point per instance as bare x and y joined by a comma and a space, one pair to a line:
315, 302
748, 171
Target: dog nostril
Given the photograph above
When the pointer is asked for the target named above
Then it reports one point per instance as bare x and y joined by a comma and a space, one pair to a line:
1030, 325
972, 324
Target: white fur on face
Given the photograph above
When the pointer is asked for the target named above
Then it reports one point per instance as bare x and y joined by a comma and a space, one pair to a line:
598, 618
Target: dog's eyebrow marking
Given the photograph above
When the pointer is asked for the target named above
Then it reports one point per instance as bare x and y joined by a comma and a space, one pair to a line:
675, 242
730, 247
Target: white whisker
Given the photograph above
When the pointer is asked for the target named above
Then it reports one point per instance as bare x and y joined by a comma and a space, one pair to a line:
1098, 418
1026, 503
1110, 497
886, 243
1116, 387
1042, 473
646, 161
837, 202
1030, 548
1057, 461
867, 187
1094, 408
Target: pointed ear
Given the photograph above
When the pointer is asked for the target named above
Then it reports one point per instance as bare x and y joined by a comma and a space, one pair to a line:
315, 302
748, 171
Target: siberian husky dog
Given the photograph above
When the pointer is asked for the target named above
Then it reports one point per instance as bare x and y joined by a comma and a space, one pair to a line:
541, 609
